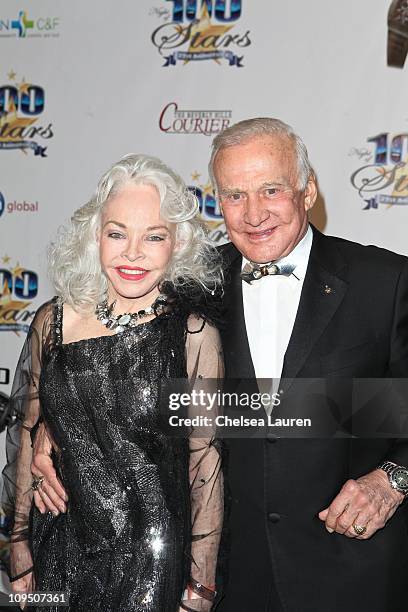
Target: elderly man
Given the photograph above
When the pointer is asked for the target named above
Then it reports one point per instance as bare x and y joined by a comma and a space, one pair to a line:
315, 525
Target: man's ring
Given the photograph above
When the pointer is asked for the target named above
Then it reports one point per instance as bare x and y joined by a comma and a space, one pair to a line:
37, 482
359, 529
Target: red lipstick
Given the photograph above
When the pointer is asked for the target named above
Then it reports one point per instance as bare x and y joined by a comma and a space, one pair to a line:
131, 273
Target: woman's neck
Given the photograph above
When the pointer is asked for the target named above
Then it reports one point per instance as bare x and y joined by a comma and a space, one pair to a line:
124, 304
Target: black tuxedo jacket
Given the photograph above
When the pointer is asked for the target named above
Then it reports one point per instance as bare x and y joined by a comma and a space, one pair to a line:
279, 549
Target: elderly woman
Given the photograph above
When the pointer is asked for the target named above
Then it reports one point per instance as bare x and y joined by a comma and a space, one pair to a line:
144, 509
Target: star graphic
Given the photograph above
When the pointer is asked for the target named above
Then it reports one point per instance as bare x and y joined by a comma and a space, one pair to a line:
23, 87
11, 75
17, 272
195, 176
202, 31
6, 259
207, 189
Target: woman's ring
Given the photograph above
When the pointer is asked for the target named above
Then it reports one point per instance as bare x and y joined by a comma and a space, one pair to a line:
37, 482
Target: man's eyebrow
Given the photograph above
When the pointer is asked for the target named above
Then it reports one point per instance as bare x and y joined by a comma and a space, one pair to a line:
227, 190
115, 223
280, 182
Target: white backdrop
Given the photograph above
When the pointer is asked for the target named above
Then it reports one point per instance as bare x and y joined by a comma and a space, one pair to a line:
83, 83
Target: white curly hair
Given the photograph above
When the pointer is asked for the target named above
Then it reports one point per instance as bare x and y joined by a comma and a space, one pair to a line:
74, 263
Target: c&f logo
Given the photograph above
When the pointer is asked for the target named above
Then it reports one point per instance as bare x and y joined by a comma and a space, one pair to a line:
205, 27
24, 27
22, 24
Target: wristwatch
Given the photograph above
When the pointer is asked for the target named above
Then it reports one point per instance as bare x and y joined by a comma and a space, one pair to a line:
397, 33
397, 475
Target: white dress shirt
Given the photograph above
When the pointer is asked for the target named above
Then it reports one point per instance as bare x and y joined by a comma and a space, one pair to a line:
270, 307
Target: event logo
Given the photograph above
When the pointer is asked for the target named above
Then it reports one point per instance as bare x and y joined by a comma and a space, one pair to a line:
21, 105
207, 122
18, 287
201, 30
16, 206
385, 179
209, 208
24, 27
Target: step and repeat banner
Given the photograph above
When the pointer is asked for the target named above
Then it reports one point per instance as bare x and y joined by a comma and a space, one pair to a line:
83, 83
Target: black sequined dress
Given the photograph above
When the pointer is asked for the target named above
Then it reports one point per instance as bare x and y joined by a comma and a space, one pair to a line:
145, 509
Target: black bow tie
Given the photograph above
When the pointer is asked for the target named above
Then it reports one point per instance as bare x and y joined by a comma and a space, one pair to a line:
253, 271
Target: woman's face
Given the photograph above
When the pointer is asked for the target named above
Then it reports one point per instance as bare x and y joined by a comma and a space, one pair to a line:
135, 242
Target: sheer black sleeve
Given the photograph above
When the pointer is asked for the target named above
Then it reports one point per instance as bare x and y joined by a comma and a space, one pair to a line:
205, 368
24, 414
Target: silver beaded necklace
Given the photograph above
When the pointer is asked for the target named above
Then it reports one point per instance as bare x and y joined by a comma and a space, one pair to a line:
118, 323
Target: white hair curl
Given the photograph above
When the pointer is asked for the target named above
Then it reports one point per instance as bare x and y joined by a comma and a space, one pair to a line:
74, 263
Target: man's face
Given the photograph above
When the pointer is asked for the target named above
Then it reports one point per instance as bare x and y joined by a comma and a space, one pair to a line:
264, 210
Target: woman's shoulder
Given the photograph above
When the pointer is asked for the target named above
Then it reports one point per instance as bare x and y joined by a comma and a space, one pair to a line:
44, 312
195, 304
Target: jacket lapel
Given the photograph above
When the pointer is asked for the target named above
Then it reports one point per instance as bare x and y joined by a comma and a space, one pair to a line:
234, 335
322, 293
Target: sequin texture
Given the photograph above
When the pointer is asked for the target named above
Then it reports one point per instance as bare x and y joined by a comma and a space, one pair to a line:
123, 544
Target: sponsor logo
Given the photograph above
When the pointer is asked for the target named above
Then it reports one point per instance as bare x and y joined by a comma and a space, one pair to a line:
200, 30
382, 179
209, 208
21, 105
24, 26
18, 287
207, 122
17, 206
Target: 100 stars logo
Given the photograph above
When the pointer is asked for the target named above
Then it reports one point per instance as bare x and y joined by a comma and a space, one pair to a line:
201, 30
21, 105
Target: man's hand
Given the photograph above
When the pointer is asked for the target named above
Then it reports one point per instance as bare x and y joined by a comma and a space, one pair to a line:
369, 501
50, 495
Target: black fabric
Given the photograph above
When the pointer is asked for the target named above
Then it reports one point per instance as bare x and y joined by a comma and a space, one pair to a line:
145, 508
360, 329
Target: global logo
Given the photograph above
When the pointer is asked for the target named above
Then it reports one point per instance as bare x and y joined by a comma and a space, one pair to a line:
18, 287
201, 30
17, 206
21, 104
24, 27
174, 120
383, 177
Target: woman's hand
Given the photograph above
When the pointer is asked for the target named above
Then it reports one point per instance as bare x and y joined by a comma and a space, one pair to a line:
50, 495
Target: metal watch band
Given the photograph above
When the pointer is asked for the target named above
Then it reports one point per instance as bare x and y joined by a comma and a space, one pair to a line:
388, 467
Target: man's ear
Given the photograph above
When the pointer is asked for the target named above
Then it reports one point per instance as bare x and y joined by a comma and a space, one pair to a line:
310, 193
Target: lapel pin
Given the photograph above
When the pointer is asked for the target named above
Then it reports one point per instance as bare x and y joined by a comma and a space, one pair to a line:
328, 289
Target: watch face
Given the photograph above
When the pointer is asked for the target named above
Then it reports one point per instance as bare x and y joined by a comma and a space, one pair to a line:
400, 477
